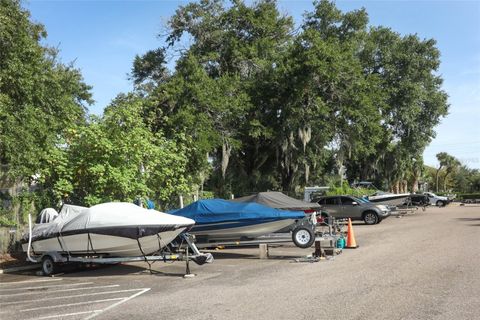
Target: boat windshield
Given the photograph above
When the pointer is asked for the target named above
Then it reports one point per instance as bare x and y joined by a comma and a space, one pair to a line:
361, 200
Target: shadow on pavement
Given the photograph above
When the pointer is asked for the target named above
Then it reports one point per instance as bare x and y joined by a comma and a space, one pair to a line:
218, 255
469, 219
114, 270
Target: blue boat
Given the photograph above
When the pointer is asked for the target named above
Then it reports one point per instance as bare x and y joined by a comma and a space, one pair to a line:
217, 219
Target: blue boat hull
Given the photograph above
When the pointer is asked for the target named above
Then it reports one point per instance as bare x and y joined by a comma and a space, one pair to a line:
239, 230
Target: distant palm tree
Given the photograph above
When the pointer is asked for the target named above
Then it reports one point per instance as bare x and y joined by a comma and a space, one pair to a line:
443, 159
452, 165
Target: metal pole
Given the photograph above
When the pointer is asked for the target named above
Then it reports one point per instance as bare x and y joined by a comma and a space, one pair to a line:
30, 239
180, 197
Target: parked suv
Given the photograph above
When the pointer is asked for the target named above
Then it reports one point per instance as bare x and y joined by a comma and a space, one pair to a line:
354, 208
435, 200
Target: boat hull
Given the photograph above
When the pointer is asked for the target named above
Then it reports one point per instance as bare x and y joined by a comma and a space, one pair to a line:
237, 230
115, 246
395, 200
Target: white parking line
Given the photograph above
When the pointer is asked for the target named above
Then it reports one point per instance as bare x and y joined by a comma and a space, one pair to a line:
61, 290
72, 304
67, 297
46, 287
117, 304
30, 281
65, 315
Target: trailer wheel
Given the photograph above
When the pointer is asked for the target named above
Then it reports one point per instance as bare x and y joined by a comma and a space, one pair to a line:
48, 266
303, 237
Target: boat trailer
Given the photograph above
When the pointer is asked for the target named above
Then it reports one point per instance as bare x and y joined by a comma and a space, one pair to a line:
52, 259
329, 230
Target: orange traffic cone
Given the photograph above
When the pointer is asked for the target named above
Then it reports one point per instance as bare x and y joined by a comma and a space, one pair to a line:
351, 243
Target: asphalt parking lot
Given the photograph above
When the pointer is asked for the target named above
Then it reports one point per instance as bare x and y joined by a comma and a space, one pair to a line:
420, 266
61, 298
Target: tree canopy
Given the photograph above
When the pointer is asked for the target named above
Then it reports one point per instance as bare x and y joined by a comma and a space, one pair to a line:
40, 97
254, 102
279, 108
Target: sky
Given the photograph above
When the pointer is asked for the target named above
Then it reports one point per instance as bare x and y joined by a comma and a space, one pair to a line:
103, 37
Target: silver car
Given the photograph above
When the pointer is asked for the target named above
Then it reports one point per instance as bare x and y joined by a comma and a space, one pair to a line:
354, 208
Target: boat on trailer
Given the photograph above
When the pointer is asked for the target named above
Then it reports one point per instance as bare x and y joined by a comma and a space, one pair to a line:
382, 197
110, 229
108, 233
387, 198
218, 220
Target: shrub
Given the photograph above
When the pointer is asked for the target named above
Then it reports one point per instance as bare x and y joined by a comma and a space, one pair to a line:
345, 189
466, 196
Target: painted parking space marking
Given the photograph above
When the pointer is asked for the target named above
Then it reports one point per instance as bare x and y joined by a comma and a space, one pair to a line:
68, 297
46, 287
72, 304
117, 304
30, 281
83, 299
61, 290
65, 315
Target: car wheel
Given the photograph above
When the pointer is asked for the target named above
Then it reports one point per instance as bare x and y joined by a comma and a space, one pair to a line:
440, 203
303, 237
370, 218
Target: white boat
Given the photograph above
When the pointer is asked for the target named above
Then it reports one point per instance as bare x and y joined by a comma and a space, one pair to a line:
386, 198
382, 197
112, 229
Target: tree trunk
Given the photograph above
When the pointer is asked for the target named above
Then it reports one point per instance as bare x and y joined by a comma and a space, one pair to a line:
307, 173
396, 186
415, 184
445, 182
226, 151
436, 178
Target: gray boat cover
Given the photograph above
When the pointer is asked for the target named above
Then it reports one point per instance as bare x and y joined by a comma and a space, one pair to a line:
112, 218
278, 200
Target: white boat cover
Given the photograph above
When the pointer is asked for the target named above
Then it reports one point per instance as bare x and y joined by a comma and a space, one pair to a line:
112, 218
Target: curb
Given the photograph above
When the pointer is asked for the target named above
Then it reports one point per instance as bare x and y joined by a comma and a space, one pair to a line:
22, 268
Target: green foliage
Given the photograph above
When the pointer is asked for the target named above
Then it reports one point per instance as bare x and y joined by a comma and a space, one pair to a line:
7, 218
149, 67
39, 96
466, 196
466, 180
281, 110
345, 189
190, 198
24, 201
16, 213
117, 158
